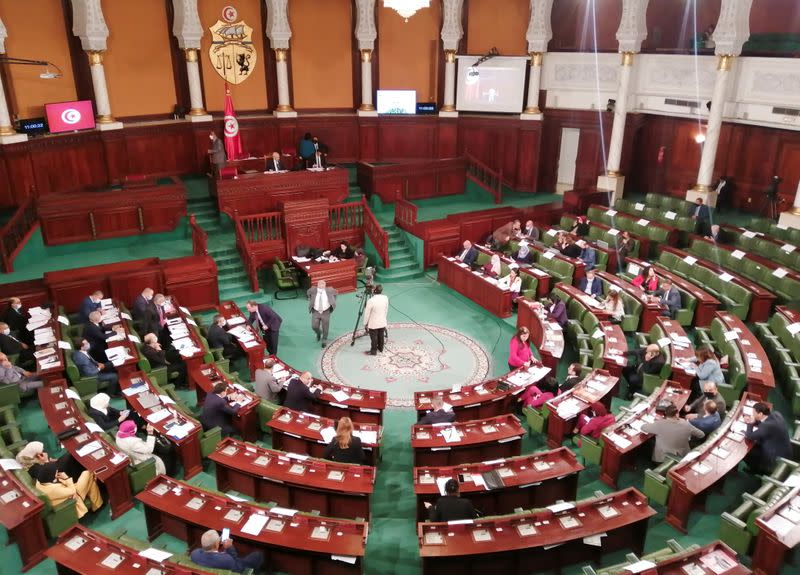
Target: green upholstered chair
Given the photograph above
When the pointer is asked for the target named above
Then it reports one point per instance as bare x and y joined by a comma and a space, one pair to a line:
591, 450
11, 438
286, 279
537, 418
86, 386
141, 473
10, 395
656, 483
209, 440
265, 411
58, 518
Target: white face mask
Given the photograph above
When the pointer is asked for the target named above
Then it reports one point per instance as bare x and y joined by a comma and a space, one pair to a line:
6, 331
17, 306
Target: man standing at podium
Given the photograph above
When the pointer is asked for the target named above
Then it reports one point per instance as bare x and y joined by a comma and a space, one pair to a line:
216, 153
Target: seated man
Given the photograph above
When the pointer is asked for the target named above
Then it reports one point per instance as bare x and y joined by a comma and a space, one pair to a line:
219, 554
672, 435
158, 358
299, 395
451, 507
96, 334
572, 379
218, 411
17, 319
438, 413
591, 284
571, 249
531, 232
141, 303
669, 298
710, 393
649, 360
90, 304
469, 254
10, 345
89, 367
221, 339
588, 254
274, 163
710, 419
9, 373
266, 384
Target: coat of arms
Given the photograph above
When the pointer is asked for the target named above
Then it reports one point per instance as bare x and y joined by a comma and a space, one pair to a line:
232, 52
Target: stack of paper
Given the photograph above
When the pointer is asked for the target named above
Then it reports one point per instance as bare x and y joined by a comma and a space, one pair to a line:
368, 437
181, 431
451, 435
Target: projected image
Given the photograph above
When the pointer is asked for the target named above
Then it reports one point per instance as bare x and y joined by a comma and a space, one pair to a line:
496, 85
482, 85
397, 101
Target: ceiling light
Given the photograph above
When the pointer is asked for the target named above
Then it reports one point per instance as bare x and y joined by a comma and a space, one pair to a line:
406, 8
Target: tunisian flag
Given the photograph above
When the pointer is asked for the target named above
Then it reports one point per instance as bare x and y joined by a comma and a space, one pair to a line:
233, 142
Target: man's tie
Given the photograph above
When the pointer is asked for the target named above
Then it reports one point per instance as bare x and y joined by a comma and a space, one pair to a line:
318, 304
277, 166
319, 164
161, 319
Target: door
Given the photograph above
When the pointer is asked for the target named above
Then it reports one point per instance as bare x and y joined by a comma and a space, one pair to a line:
567, 159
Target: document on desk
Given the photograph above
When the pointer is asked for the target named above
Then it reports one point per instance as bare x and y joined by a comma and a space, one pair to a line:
155, 554
594, 540
157, 416
345, 559
640, 566
368, 437
181, 431
93, 427
327, 433
255, 523
451, 435
10, 464
90, 447
340, 395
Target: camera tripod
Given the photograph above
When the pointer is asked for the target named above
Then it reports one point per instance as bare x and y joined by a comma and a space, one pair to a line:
770, 208
363, 297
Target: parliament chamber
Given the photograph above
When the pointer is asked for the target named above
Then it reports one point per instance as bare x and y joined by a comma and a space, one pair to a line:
399, 287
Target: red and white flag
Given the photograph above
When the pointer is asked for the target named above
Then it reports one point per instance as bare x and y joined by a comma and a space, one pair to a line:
233, 142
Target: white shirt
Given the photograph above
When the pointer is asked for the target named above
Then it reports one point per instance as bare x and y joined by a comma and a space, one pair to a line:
588, 288
505, 283
464, 254
376, 312
321, 302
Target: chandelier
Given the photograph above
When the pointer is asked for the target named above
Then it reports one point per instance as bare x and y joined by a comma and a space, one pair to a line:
406, 8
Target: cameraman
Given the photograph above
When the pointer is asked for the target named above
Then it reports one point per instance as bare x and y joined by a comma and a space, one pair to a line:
375, 313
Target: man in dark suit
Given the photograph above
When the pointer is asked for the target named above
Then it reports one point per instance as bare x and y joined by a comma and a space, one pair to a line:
591, 284
96, 334
274, 164
648, 360
17, 319
469, 254
767, 430
572, 379
141, 303
158, 358
217, 411
219, 338
725, 191
216, 153
88, 367
321, 304
299, 395
715, 234
10, 345
669, 298
264, 318
702, 216
451, 507
90, 304
438, 413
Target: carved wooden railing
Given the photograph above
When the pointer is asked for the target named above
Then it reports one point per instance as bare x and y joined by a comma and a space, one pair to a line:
256, 235
16, 232
487, 178
376, 234
348, 216
405, 215
199, 237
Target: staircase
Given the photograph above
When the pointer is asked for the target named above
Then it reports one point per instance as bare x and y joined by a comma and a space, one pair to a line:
402, 260
231, 276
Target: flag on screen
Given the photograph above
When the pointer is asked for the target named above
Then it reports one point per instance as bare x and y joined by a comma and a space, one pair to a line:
233, 142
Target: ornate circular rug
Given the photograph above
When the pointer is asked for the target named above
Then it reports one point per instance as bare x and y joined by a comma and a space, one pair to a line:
416, 357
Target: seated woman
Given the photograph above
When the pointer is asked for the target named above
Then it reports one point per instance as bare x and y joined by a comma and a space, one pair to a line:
103, 414
493, 267
345, 447
613, 305
647, 279
34, 459
523, 254
592, 422
581, 226
343, 252
137, 449
535, 397
512, 282
58, 487
557, 310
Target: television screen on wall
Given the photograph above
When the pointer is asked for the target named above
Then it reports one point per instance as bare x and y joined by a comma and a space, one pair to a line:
70, 116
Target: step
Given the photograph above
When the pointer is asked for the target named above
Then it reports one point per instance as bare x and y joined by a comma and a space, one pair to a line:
402, 259
225, 252
398, 267
240, 295
231, 274
400, 276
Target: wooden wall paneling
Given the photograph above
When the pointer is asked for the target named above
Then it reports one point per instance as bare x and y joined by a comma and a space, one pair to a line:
201, 143
7, 199
127, 286
442, 237
259, 136
160, 149
368, 139
287, 134
339, 133
192, 280
306, 223
19, 167
788, 167
68, 162
407, 138
528, 149
447, 144
115, 148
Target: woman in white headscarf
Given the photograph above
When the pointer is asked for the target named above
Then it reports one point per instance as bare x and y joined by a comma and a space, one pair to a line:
103, 414
493, 267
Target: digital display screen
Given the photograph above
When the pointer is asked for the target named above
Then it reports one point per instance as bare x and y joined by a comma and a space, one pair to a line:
70, 116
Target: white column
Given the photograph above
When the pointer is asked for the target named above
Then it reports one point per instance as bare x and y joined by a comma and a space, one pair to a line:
531, 111
105, 120
7, 133
705, 174
366, 108
284, 109
449, 108
197, 111
279, 33
620, 116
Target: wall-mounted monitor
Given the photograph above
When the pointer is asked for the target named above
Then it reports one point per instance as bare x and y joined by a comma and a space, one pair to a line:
70, 116
496, 85
397, 101
32, 126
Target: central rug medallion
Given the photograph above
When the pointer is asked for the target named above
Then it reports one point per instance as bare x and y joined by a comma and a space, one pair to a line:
416, 357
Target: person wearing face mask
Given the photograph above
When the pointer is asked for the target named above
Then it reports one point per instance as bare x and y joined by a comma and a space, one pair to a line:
96, 334
88, 367
709, 421
176, 367
90, 304
10, 345
16, 319
216, 153
710, 393
11, 374
648, 360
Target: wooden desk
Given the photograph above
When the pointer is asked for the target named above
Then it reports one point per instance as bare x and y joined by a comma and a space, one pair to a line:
246, 419
254, 349
691, 479
547, 336
589, 303
565, 408
80, 216
288, 538
763, 299
615, 346
92, 548
682, 354
21, 515
340, 275
61, 415
513, 544
711, 554
266, 192
180, 319
359, 404
486, 399
624, 437
611, 251
650, 310
49, 370
644, 242
760, 260
301, 433
475, 286
188, 446
673, 233
114, 316
778, 533
295, 481
760, 379
579, 268
480, 440
529, 481
413, 180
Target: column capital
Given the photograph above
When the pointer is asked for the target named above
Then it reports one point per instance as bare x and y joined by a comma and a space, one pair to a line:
191, 54
725, 62
540, 28
632, 29
278, 30
366, 55
95, 57
281, 54
536, 59
627, 58
450, 56
733, 27
451, 25
89, 25
366, 31
186, 26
